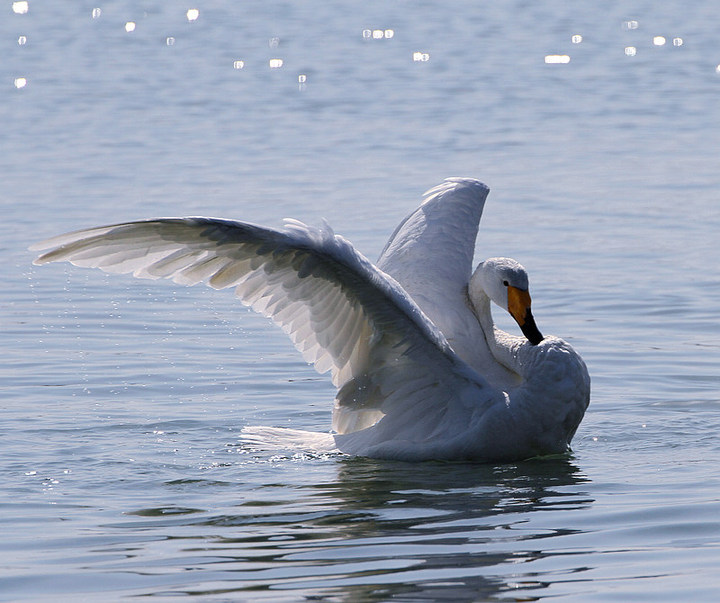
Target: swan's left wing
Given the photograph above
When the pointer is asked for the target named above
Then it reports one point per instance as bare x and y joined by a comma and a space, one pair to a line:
341, 312
430, 253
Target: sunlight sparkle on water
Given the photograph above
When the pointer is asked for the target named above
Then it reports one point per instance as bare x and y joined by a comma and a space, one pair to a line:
631, 24
22, 40
20, 82
630, 51
576, 39
192, 14
677, 41
421, 57
557, 59
130, 26
238, 64
96, 12
378, 34
275, 63
20, 8
659, 40
170, 41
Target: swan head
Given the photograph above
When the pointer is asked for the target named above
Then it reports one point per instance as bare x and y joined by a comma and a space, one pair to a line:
505, 282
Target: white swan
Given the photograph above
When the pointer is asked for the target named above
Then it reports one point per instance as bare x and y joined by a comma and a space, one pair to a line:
421, 370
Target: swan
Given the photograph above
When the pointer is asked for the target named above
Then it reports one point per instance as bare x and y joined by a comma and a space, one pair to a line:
421, 370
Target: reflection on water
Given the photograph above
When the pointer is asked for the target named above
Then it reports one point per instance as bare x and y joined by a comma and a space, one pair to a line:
380, 530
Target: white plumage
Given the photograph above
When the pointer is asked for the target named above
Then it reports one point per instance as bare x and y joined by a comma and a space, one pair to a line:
421, 371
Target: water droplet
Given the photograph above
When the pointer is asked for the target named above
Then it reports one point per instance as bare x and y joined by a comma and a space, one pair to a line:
96, 12
576, 39
275, 63
22, 40
238, 64
557, 59
630, 51
130, 26
20, 8
20, 82
192, 14
659, 40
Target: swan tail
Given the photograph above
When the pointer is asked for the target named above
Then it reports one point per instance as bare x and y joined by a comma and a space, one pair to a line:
280, 438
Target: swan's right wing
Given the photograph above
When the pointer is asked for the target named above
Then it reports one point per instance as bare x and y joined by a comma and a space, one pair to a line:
340, 311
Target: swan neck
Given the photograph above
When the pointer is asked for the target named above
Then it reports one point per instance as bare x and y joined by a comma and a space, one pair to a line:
481, 303
502, 345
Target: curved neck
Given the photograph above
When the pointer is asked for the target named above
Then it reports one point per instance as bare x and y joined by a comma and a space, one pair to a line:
502, 345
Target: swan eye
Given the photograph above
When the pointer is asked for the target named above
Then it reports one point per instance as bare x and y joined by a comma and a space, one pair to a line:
505, 283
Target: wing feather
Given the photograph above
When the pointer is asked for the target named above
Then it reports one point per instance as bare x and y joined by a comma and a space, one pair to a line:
432, 248
341, 312
431, 251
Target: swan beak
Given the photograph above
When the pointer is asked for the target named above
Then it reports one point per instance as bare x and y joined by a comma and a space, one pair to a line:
519, 308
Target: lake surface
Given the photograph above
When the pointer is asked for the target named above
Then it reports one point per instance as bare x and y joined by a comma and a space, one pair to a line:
122, 400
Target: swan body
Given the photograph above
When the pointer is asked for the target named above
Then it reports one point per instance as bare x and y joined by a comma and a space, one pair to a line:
422, 372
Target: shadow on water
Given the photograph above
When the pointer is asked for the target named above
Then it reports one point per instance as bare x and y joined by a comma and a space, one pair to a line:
379, 531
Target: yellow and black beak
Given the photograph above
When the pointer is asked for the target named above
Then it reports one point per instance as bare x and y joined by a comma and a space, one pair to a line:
519, 308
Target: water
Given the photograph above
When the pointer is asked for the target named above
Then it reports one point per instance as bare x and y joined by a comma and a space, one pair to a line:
122, 400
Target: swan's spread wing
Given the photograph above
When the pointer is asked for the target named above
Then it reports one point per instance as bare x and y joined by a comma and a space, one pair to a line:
430, 253
341, 312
